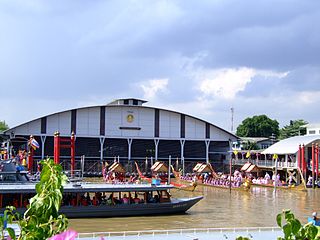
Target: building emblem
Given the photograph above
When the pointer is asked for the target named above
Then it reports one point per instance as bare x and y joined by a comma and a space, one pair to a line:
130, 118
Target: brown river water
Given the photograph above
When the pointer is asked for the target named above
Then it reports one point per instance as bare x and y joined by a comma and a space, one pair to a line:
219, 208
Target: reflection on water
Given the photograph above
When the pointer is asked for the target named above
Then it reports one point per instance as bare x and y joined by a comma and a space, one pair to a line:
219, 208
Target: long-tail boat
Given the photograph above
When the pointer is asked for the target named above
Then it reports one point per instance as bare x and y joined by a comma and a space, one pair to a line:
181, 186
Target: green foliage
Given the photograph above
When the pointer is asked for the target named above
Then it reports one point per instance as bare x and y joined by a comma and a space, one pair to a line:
292, 228
258, 126
3, 126
42, 220
293, 129
249, 146
7, 218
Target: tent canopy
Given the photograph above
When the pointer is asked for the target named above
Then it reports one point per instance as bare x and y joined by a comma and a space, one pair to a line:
291, 145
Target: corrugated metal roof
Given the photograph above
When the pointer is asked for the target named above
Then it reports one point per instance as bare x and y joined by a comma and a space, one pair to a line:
291, 145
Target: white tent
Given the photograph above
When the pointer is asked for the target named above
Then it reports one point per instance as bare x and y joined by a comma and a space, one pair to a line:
291, 145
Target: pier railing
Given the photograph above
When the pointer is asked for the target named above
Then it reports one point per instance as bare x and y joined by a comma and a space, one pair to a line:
264, 163
97, 235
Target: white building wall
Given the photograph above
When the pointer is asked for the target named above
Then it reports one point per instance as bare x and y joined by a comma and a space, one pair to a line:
88, 121
195, 129
113, 121
218, 135
169, 124
59, 122
30, 128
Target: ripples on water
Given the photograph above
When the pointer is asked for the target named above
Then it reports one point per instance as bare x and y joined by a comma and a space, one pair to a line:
219, 208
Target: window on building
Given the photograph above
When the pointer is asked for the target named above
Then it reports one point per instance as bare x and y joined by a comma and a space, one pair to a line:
312, 132
126, 102
135, 102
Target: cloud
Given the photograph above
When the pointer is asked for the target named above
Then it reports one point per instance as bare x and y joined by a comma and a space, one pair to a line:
225, 83
152, 87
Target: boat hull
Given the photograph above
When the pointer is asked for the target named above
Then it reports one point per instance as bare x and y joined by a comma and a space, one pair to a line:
176, 206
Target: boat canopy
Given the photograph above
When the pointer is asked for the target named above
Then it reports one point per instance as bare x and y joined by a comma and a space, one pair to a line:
252, 168
245, 166
117, 167
159, 167
86, 187
202, 168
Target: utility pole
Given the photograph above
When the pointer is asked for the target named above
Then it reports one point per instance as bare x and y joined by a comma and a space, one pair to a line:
232, 112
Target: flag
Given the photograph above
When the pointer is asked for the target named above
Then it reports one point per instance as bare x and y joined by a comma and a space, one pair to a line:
34, 144
275, 156
235, 152
248, 155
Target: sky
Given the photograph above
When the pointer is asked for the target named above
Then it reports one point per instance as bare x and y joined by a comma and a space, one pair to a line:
197, 57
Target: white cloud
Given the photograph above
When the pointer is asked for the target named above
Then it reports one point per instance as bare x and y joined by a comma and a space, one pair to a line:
226, 83
153, 86
308, 97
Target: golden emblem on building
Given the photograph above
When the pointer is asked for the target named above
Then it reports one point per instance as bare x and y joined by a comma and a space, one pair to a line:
130, 118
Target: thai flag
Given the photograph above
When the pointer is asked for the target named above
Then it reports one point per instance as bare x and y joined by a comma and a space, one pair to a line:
34, 144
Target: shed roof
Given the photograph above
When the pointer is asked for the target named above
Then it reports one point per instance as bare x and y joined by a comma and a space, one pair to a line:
291, 145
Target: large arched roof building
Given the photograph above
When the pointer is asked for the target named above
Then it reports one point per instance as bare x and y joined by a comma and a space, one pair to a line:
128, 130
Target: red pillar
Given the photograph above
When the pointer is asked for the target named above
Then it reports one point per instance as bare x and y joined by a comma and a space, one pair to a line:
56, 149
30, 155
312, 163
299, 157
72, 148
317, 160
302, 159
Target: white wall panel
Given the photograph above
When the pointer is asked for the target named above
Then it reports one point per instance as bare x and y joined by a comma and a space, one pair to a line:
146, 117
190, 128
94, 121
82, 121
65, 123
200, 129
169, 124
30, 128
59, 122
52, 124
113, 121
219, 135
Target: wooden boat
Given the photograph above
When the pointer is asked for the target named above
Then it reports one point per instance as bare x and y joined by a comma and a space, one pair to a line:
286, 187
86, 200
200, 167
74, 206
181, 186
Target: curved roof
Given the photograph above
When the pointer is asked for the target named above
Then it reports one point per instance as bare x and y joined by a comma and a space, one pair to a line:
291, 145
111, 106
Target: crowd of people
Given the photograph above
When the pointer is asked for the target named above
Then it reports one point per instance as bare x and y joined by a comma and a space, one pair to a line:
99, 198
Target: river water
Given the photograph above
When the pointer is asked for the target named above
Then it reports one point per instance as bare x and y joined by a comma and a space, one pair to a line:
219, 208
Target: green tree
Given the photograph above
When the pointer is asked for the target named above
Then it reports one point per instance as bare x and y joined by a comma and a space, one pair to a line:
258, 126
293, 129
3, 126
